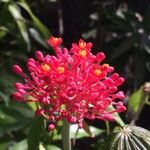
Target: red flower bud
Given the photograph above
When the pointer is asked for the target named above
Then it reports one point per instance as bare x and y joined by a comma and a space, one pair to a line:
72, 119
54, 42
17, 69
51, 127
39, 55
19, 85
17, 96
100, 56
39, 112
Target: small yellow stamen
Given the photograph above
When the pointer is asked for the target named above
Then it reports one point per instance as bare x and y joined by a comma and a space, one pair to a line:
46, 67
55, 40
82, 45
61, 70
106, 65
97, 72
63, 107
82, 53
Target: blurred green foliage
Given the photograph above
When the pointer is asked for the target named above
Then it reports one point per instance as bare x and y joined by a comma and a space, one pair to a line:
123, 33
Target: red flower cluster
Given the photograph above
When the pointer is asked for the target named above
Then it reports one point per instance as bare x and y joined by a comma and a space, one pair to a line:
72, 85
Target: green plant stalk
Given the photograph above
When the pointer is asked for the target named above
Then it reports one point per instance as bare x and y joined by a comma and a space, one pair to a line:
107, 127
66, 135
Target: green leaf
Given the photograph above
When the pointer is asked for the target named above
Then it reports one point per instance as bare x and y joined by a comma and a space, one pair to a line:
37, 23
82, 133
134, 102
5, 1
117, 116
12, 120
2, 33
4, 97
79, 133
17, 126
37, 37
86, 128
35, 133
4, 145
22, 145
52, 147
15, 12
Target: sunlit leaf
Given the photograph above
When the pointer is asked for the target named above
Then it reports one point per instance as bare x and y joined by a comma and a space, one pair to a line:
22, 145
14, 10
37, 37
38, 24
52, 147
117, 116
135, 102
86, 127
82, 133
2, 33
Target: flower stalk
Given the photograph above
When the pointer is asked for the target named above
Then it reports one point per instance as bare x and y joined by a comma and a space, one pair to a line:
66, 135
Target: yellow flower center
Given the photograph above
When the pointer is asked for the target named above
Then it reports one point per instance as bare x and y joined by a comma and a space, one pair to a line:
46, 67
61, 70
82, 45
82, 53
106, 65
55, 40
97, 72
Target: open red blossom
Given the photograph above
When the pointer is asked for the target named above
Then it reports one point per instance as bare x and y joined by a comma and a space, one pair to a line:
72, 85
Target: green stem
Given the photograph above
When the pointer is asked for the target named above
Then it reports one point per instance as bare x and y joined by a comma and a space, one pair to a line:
66, 136
107, 127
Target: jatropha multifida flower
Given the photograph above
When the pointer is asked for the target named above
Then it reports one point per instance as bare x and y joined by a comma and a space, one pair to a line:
72, 85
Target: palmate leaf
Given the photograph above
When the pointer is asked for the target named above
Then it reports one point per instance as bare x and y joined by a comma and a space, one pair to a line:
127, 138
